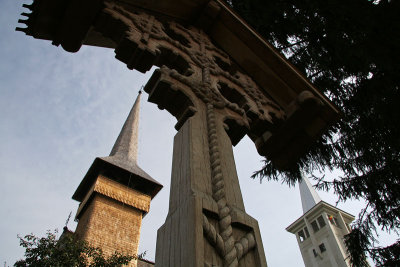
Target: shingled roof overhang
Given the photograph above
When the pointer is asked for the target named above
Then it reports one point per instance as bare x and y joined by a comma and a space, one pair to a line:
125, 173
69, 23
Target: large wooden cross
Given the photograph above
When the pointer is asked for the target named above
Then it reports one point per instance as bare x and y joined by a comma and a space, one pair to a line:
213, 102
216, 101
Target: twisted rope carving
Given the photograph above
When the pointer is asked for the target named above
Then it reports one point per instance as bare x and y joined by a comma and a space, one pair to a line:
224, 242
225, 219
245, 244
212, 236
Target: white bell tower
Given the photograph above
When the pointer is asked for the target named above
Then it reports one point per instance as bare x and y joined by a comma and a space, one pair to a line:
320, 230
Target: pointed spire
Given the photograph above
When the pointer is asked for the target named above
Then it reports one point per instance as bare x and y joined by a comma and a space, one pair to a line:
126, 146
121, 165
309, 197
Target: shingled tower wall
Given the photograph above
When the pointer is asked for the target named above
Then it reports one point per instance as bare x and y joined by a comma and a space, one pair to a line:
112, 219
115, 194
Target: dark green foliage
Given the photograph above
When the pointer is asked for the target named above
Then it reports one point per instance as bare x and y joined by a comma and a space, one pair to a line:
388, 256
351, 51
67, 252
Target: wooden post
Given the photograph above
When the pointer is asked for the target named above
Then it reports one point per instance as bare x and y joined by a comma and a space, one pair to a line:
207, 224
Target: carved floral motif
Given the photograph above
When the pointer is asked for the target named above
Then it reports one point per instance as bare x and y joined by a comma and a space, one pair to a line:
203, 65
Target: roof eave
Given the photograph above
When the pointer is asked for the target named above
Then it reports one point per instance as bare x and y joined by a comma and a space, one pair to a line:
119, 174
320, 204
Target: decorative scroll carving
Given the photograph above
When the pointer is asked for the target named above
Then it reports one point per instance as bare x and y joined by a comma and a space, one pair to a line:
189, 57
230, 250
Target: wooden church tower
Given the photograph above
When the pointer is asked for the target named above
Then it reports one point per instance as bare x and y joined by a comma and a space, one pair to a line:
320, 230
115, 194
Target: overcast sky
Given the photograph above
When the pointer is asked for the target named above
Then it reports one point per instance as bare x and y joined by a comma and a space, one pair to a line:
60, 110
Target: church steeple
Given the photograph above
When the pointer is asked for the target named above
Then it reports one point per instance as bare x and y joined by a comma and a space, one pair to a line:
115, 195
121, 165
126, 146
320, 230
309, 197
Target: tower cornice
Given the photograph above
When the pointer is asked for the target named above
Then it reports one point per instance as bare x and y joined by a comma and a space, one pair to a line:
314, 211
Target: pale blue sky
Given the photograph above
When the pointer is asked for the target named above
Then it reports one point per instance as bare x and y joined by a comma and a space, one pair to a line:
59, 111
